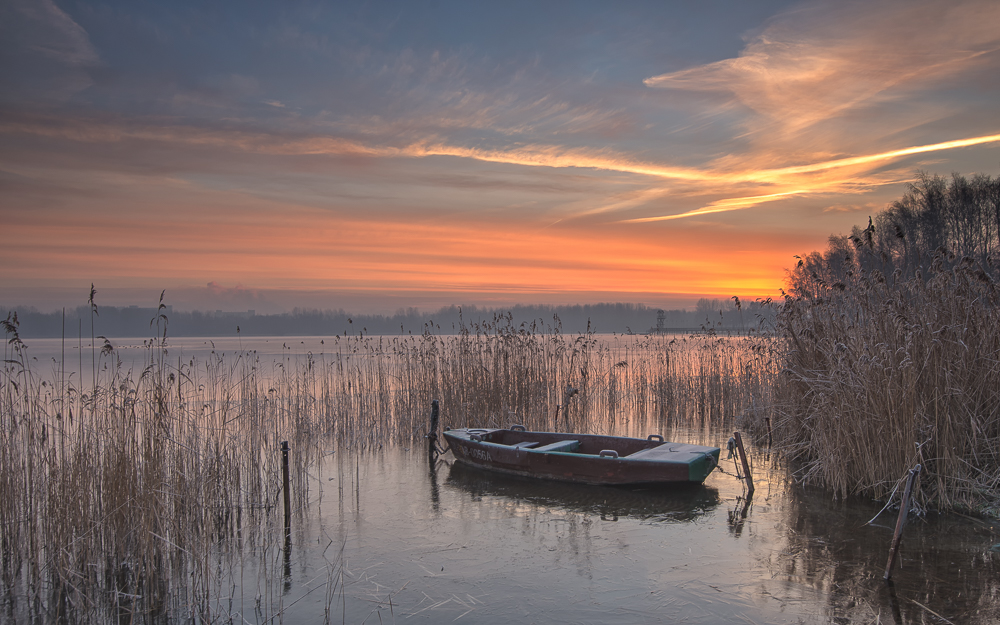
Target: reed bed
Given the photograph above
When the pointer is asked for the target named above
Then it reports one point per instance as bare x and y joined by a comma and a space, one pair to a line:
155, 493
884, 373
496, 374
146, 495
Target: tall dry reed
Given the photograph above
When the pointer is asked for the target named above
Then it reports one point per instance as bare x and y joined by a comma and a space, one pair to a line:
497, 373
143, 494
884, 374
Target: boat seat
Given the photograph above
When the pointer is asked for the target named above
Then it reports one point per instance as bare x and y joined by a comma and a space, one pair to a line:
525, 444
667, 451
560, 446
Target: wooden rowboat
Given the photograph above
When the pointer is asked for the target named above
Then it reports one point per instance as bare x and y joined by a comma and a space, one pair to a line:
585, 458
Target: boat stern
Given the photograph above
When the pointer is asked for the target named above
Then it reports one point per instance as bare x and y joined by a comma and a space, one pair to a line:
700, 467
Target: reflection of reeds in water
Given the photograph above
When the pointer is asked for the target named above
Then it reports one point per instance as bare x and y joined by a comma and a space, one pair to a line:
830, 545
158, 492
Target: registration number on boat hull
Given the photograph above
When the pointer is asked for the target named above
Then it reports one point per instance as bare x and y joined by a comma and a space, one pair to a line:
474, 453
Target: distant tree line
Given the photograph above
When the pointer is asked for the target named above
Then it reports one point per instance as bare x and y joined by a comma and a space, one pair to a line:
133, 321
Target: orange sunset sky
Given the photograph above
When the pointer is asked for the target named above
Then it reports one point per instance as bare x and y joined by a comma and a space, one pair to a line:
371, 156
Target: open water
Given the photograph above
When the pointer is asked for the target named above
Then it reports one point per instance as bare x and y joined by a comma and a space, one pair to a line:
423, 541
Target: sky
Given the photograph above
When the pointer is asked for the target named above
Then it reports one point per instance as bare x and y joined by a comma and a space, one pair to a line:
369, 156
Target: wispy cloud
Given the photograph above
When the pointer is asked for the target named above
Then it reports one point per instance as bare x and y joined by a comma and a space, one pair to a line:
825, 83
785, 182
826, 60
793, 175
55, 34
721, 206
884, 156
46, 54
448, 94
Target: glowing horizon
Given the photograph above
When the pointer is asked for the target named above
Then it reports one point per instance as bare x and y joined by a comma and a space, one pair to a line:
364, 165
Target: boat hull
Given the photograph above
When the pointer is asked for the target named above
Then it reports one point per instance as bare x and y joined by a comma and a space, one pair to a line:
583, 458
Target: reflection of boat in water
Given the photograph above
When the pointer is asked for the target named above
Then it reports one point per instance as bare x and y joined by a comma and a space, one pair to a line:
664, 504
585, 458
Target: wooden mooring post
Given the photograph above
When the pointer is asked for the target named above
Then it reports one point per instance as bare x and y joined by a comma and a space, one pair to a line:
746, 464
287, 493
904, 510
432, 436
284, 484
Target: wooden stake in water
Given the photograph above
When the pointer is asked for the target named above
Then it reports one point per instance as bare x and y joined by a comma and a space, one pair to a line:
62, 391
904, 510
432, 433
746, 465
284, 482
